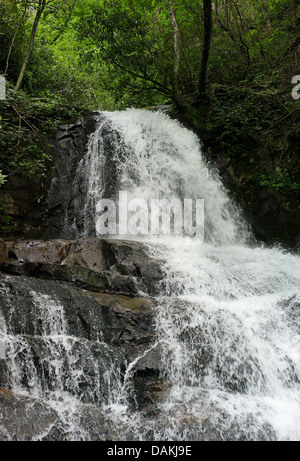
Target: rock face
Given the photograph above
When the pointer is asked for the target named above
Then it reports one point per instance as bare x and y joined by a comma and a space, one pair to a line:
42, 208
78, 319
22, 418
77, 315
274, 216
66, 214
69, 149
111, 266
21, 197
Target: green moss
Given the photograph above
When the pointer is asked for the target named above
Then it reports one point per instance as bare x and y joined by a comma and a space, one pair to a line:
125, 249
121, 269
87, 276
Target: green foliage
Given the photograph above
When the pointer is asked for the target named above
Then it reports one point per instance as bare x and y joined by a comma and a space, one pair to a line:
112, 54
117, 53
132, 38
254, 127
24, 142
2, 178
11, 14
280, 180
135, 40
5, 218
240, 112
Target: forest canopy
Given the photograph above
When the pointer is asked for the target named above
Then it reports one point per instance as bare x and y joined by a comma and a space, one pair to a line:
115, 53
228, 69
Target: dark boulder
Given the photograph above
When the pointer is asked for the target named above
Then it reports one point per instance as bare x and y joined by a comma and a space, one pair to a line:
68, 212
111, 266
75, 322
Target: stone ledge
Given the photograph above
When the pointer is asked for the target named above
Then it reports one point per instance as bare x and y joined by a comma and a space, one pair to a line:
111, 266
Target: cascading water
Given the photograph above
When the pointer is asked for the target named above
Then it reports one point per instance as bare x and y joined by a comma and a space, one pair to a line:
227, 316
48, 364
227, 321
154, 157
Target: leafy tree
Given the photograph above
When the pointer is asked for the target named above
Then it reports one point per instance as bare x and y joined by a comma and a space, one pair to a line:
113, 53
42, 6
13, 32
133, 38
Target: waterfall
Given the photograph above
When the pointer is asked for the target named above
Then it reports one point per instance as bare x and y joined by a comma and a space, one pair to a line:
50, 365
227, 319
154, 157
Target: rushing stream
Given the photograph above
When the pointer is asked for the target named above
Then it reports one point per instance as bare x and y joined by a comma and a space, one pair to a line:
229, 321
228, 313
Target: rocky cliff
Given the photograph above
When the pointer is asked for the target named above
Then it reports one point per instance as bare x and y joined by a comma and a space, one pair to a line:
78, 315
105, 290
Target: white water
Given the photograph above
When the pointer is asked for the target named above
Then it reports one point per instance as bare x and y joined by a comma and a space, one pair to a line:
229, 320
228, 316
156, 158
71, 371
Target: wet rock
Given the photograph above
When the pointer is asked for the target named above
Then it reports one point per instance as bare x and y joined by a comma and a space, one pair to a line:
34, 252
23, 418
69, 365
208, 424
5, 380
96, 332
80, 318
3, 250
66, 202
96, 264
272, 219
22, 198
100, 427
149, 391
88, 315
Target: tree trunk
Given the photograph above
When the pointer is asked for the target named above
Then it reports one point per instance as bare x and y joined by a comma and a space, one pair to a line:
268, 19
14, 39
176, 66
40, 10
202, 86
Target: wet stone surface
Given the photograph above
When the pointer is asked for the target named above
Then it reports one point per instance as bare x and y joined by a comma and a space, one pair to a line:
75, 315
